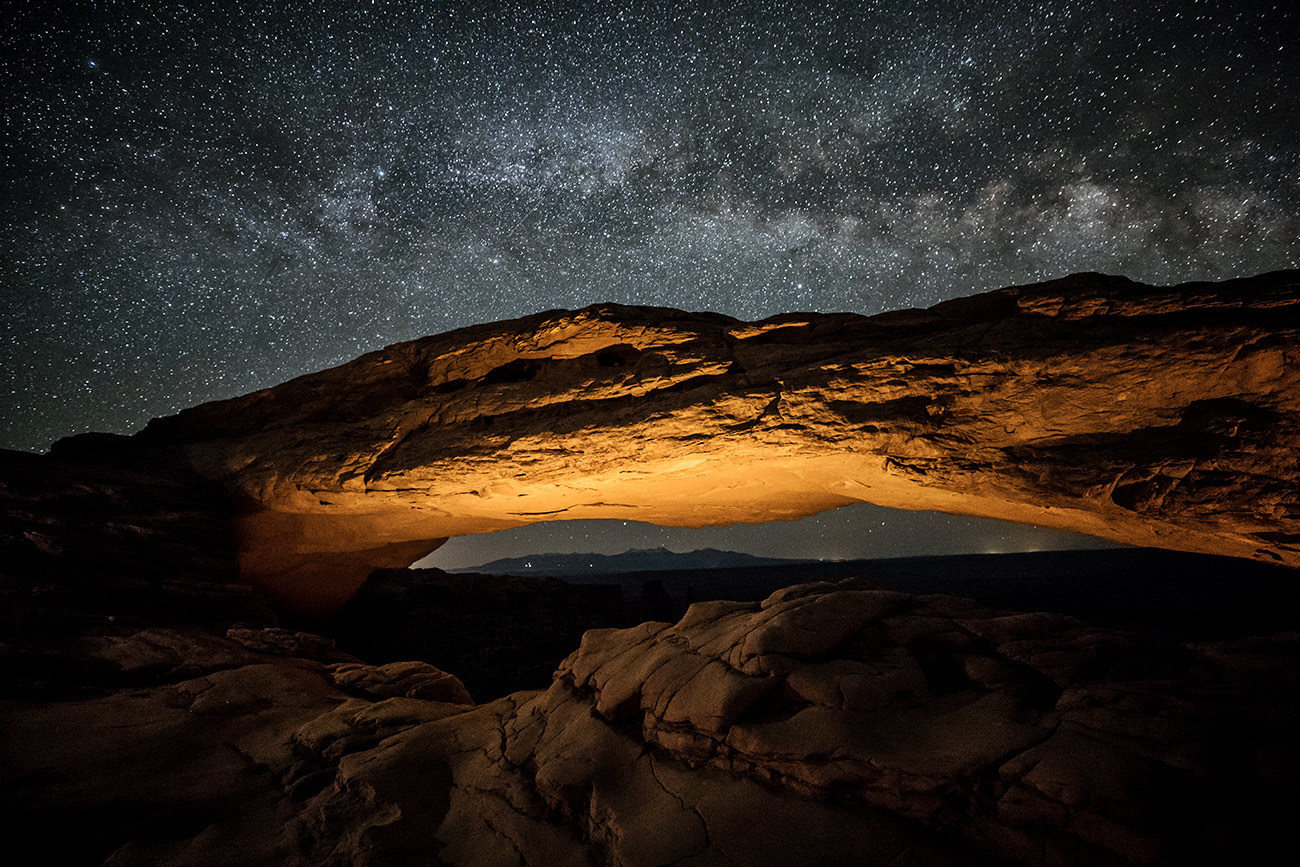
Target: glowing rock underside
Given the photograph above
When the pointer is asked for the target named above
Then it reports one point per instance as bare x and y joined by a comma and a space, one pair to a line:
1164, 416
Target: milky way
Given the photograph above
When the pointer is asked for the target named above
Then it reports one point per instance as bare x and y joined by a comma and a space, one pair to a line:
210, 198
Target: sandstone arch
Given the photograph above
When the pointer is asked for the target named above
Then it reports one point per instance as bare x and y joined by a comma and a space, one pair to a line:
1165, 416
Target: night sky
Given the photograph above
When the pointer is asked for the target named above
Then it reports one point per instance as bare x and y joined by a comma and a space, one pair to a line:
208, 198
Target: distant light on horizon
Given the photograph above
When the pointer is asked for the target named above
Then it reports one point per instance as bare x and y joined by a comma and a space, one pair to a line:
893, 533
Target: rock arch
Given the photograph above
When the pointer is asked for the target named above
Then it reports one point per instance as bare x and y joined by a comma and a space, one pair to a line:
1164, 416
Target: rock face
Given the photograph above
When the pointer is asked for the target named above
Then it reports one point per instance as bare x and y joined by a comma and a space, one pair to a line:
91, 556
854, 726
833, 724
209, 766
152, 709
1165, 417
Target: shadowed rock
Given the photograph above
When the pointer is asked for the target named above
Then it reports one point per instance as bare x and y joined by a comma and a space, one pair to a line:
157, 709
499, 635
832, 724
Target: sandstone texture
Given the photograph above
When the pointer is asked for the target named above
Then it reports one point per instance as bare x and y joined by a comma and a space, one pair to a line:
1157, 416
828, 725
832, 724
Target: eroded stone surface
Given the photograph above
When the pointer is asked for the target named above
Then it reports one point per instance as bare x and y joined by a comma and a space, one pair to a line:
1167, 417
866, 727
205, 770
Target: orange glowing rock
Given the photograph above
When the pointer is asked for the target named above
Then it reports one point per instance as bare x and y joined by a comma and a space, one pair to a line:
1164, 416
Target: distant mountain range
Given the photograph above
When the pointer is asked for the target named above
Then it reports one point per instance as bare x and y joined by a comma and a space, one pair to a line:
637, 560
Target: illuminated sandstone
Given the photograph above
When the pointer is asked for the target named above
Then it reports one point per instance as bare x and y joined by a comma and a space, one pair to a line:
1153, 416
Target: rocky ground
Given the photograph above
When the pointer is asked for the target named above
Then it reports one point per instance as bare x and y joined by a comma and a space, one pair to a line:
154, 712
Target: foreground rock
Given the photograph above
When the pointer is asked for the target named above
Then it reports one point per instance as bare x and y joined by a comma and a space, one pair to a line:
827, 725
200, 770
1166, 417
152, 708
837, 725
154, 712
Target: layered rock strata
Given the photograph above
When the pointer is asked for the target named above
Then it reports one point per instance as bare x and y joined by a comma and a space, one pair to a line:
1158, 416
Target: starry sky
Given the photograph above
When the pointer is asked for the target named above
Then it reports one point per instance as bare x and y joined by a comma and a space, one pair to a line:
206, 198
